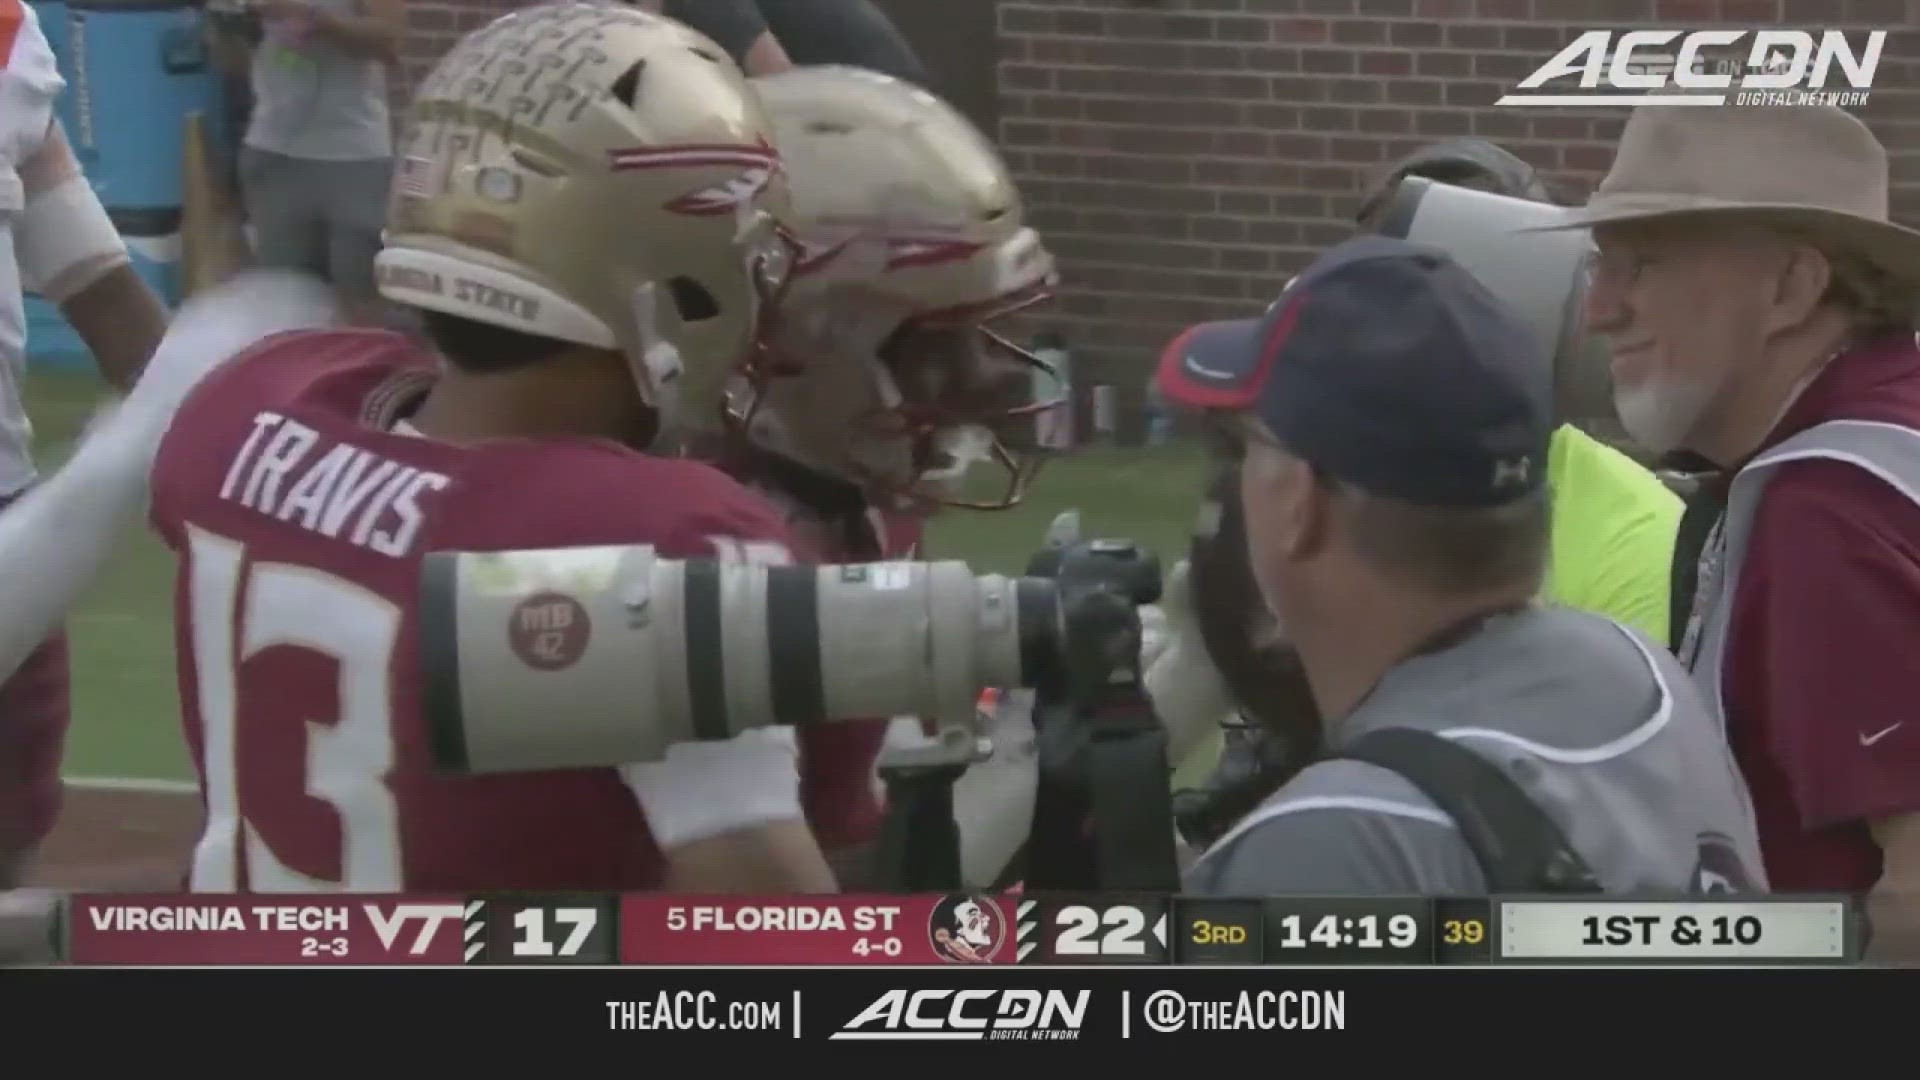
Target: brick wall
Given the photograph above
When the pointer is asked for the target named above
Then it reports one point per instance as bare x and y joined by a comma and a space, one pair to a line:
1185, 156
434, 25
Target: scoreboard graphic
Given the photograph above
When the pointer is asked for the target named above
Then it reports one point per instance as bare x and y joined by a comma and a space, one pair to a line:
600, 930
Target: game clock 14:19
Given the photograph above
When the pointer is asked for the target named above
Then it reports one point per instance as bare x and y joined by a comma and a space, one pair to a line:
1348, 931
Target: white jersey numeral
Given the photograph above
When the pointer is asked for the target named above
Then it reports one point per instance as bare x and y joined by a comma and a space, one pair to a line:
236, 612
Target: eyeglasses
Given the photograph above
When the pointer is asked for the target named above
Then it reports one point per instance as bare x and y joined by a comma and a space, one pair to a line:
1619, 267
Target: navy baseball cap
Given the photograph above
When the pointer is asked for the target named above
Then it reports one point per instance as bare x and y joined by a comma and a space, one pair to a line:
1388, 366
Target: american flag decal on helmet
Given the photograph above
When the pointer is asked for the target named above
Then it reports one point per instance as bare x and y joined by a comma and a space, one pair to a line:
757, 164
415, 177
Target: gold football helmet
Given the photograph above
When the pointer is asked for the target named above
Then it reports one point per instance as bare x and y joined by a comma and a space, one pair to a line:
588, 172
912, 242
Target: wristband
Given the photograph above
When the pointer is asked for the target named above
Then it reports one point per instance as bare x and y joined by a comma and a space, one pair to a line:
701, 790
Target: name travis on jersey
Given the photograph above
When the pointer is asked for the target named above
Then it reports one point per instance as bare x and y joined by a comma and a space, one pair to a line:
340, 491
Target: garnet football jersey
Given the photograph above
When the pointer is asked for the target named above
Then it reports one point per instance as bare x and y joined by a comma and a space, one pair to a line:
301, 517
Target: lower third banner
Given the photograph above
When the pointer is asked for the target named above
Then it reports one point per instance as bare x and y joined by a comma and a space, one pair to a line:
576, 1007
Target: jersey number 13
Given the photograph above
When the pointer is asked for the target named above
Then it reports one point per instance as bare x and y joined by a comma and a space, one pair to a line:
348, 755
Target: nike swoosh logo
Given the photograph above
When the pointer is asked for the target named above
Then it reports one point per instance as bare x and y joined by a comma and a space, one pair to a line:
1869, 740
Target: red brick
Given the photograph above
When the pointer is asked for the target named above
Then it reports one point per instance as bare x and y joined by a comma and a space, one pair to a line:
1361, 32
1298, 88
1443, 123
1876, 14
1444, 65
1273, 59
1327, 119
1273, 117
1391, 63
1685, 11
1385, 121
1355, 91
1251, 205
1300, 147
1562, 127
1416, 92
1217, 57
1358, 151
1474, 36
1244, 29
1507, 68
1472, 94
1223, 230
1502, 125
1309, 31
1327, 61
1416, 35
1542, 41
1248, 260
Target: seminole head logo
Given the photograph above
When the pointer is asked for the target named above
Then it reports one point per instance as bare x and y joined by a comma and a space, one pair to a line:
967, 929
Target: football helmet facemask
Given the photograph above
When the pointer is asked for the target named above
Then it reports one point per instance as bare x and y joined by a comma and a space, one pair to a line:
591, 173
913, 243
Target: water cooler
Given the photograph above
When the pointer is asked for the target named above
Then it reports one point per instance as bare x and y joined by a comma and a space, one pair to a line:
135, 69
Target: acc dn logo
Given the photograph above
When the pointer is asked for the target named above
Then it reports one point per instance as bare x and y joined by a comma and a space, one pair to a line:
945, 1015
1782, 67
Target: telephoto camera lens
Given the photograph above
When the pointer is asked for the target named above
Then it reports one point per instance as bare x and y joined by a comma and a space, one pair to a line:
600, 656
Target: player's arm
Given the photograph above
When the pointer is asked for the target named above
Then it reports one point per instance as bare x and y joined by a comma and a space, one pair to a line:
54, 540
1841, 557
728, 815
374, 31
70, 253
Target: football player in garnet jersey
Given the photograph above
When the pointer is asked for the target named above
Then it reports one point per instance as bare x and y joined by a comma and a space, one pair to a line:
587, 215
914, 242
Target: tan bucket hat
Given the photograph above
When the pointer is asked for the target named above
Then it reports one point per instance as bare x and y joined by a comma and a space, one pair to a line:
1813, 167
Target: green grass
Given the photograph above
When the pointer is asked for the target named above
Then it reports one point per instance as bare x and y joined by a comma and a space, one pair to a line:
126, 712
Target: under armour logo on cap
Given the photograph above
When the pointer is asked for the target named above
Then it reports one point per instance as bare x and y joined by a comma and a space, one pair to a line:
1389, 367
1512, 472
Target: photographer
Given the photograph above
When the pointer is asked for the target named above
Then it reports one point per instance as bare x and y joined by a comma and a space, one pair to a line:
1613, 522
1394, 435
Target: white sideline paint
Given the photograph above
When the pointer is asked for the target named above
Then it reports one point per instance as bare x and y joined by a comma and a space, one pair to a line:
133, 783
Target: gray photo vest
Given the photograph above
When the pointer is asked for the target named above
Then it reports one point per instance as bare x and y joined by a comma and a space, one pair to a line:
1888, 451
